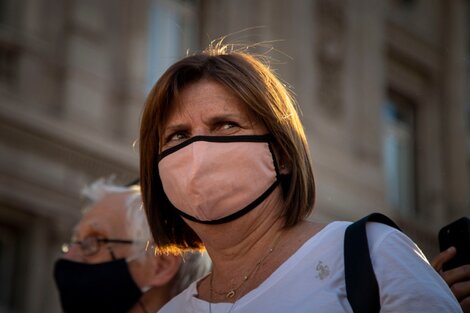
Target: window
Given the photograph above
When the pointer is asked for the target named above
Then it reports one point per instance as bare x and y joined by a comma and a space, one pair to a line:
399, 154
173, 31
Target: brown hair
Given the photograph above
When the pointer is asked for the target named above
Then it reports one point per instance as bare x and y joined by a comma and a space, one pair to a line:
254, 83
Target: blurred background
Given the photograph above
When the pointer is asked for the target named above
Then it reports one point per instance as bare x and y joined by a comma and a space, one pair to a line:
384, 89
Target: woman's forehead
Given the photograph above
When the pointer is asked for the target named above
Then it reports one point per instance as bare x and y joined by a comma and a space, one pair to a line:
204, 97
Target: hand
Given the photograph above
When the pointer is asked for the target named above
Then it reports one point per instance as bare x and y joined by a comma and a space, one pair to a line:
458, 278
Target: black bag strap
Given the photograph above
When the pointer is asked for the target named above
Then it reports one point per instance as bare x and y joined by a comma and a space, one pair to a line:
361, 285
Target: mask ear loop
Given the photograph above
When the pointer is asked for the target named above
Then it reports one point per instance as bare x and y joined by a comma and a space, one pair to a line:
143, 289
128, 259
276, 164
113, 256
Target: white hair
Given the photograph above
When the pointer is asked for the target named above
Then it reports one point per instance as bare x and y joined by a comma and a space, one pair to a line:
138, 228
194, 264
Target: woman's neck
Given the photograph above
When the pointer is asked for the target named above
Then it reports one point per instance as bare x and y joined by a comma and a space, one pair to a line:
235, 243
243, 268
244, 249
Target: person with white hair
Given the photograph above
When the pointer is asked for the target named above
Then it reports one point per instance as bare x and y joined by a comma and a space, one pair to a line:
110, 264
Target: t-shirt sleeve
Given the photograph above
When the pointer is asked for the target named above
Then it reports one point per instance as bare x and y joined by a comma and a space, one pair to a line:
407, 282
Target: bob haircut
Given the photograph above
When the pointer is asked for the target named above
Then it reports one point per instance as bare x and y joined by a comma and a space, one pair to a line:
251, 81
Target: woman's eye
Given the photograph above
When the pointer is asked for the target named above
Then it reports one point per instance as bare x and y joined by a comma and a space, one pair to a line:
228, 125
177, 136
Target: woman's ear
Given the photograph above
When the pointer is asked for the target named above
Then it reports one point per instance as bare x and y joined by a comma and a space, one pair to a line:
284, 169
164, 268
283, 162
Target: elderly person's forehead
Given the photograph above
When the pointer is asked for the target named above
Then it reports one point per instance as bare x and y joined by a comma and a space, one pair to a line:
107, 216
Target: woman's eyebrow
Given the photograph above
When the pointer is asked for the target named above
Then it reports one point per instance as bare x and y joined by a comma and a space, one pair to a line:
173, 128
225, 117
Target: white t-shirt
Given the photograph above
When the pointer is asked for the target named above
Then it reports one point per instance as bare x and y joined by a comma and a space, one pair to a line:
312, 279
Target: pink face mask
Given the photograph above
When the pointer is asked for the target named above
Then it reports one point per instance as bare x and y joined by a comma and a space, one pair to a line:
216, 179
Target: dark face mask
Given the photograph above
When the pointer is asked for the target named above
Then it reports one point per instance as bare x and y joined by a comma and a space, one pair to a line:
103, 287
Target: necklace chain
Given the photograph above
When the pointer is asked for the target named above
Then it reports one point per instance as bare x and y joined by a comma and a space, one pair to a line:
231, 293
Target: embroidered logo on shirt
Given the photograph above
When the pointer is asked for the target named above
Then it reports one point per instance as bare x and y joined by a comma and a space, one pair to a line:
322, 270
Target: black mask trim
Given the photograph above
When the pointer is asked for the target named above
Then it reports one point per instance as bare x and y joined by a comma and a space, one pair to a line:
240, 138
237, 214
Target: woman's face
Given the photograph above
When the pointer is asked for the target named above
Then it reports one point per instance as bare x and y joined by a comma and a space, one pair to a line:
210, 109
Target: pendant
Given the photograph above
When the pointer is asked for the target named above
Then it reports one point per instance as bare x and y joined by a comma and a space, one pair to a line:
230, 294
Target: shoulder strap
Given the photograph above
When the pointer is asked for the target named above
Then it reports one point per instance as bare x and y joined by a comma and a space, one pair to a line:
361, 285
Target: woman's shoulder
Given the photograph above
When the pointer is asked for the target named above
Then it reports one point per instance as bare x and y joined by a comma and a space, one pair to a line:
314, 228
379, 235
376, 232
321, 231
311, 236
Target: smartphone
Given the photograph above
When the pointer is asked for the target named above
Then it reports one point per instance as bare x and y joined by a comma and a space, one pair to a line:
456, 234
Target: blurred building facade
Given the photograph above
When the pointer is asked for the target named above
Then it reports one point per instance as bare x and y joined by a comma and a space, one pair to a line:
384, 89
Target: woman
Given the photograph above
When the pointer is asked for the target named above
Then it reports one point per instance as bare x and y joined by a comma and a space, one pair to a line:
225, 166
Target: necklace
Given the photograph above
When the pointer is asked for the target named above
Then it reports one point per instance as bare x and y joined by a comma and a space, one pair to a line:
231, 293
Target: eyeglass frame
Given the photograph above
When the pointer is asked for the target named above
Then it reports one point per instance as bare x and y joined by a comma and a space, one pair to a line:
99, 241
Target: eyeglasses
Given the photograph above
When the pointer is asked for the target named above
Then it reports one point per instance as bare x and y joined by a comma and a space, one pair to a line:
91, 245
